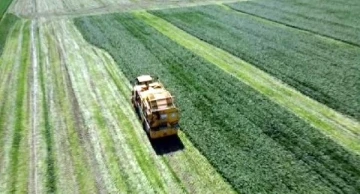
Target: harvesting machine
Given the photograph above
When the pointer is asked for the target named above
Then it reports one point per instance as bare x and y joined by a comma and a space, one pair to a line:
155, 107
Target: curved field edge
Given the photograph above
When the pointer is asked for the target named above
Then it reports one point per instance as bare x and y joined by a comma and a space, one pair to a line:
340, 128
253, 142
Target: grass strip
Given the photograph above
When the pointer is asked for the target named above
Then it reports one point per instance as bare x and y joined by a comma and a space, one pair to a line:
75, 151
109, 150
17, 170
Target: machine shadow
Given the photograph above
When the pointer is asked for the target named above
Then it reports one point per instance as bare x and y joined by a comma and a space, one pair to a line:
167, 145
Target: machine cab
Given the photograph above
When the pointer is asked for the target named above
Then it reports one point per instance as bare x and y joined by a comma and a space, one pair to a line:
144, 80
140, 82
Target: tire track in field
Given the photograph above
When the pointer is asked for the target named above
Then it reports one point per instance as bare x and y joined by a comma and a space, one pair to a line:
33, 185
340, 128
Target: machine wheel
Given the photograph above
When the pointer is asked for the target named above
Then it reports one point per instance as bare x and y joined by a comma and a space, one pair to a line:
144, 127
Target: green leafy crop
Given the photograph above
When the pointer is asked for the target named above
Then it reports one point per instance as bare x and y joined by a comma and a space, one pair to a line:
321, 68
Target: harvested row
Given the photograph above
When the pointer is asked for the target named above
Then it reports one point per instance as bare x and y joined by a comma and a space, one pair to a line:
335, 19
14, 110
257, 145
327, 71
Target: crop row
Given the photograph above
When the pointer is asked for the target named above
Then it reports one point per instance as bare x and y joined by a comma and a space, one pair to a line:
327, 71
254, 143
336, 19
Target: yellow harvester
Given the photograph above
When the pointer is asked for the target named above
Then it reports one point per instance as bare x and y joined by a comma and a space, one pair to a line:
155, 107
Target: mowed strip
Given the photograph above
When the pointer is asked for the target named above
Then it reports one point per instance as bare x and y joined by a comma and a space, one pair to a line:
68, 167
343, 130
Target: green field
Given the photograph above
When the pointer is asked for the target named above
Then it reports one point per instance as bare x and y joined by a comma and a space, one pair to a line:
226, 119
268, 92
328, 71
332, 18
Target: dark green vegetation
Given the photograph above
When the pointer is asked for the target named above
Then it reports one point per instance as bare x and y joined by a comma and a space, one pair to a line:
325, 70
332, 18
255, 144
4, 4
5, 27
